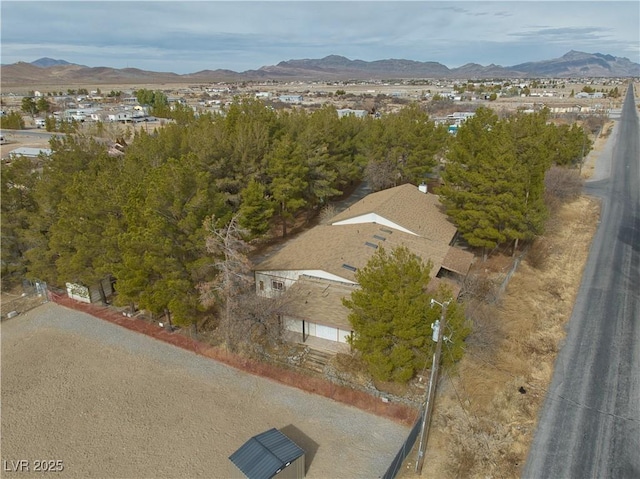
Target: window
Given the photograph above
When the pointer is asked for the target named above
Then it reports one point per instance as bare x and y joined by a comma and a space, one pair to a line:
277, 285
261, 285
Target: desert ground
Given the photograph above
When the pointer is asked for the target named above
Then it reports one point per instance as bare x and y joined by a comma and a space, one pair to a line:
110, 402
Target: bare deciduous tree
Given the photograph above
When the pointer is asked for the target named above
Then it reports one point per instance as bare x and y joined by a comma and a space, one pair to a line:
562, 183
234, 277
248, 321
381, 174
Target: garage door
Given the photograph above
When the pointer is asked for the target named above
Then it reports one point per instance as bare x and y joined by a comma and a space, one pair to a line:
326, 332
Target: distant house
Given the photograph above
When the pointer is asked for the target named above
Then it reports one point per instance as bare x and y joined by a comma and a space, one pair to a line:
99, 115
318, 268
122, 116
27, 152
268, 455
290, 98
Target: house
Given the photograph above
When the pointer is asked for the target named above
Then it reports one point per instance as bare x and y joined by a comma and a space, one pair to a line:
290, 98
28, 152
266, 455
123, 116
318, 268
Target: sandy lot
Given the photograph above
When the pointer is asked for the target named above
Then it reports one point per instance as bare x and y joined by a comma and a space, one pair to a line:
114, 403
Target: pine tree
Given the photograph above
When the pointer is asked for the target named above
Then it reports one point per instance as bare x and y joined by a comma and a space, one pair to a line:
255, 210
482, 184
288, 184
391, 315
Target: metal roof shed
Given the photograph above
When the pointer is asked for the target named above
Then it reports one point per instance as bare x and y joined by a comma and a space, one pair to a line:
269, 454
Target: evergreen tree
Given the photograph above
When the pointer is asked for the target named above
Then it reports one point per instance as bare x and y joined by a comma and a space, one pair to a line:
70, 156
84, 236
17, 184
391, 316
530, 134
481, 181
403, 146
12, 121
163, 246
255, 210
288, 184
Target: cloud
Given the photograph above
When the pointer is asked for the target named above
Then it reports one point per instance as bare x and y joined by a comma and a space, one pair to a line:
191, 36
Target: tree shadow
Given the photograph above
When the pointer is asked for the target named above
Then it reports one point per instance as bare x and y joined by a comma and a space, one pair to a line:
308, 445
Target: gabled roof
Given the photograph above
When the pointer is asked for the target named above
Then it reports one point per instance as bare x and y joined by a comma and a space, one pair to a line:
341, 250
264, 455
405, 205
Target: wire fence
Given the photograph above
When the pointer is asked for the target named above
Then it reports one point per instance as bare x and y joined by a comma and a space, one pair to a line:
34, 293
405, 449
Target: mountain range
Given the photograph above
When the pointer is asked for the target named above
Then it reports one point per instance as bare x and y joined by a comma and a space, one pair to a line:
333, 67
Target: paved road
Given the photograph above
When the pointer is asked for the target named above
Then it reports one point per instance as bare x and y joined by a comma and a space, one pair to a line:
590, 424
36, 133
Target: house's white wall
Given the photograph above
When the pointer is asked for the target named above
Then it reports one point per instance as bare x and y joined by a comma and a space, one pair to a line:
291, 324
342, 335
318, 273
265, 279
312, 329
373, 218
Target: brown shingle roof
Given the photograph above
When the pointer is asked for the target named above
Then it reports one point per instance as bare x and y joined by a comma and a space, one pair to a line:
420, 213
328, 248
320, 302
458, 261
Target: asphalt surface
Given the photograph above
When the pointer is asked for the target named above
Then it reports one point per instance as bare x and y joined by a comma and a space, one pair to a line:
590, 423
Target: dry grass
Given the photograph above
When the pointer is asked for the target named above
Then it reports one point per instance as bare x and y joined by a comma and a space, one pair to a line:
486, 414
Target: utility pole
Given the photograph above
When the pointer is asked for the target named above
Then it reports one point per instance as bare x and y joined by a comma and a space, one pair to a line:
438, 335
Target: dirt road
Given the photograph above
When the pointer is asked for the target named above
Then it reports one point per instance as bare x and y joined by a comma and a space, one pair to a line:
110, 402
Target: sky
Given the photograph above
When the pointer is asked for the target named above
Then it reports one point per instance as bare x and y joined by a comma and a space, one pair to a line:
190, 36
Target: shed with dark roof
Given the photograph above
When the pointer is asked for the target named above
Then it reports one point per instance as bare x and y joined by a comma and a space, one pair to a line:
269, 454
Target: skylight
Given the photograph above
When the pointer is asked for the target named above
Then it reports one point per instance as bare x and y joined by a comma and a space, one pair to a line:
372, 245
381, 238
349, 267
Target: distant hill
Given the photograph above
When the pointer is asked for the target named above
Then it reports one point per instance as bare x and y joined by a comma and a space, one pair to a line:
578, 64
49, 62
332, 67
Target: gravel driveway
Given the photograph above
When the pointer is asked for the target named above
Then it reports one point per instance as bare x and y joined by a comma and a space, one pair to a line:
110, 402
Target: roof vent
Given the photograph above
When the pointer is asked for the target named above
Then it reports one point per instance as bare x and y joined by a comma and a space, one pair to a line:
423, 187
